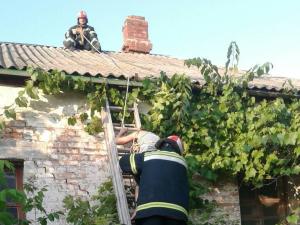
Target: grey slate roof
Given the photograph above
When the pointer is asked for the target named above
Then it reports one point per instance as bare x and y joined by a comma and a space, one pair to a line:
109, 64
19, 56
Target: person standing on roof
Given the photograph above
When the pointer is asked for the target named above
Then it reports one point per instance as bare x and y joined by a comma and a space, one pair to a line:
163, 182
82, 36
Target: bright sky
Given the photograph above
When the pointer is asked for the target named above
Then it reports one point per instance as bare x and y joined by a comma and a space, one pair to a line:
265, 30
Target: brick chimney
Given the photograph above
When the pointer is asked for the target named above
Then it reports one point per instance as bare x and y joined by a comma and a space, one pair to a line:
135, 34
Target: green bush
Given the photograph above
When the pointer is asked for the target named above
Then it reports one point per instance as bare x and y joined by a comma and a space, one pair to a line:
32, 201
101, 209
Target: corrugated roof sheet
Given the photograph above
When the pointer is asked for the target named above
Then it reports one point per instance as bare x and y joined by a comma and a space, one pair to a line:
116, 64
20, 56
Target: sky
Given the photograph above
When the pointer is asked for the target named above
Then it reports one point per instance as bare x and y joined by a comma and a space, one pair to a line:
265, 30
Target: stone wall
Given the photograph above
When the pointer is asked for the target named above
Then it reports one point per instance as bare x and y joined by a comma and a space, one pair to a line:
64, 158
225, 194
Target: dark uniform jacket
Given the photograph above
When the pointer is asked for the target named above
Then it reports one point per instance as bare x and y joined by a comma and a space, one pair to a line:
73, 39
163, 183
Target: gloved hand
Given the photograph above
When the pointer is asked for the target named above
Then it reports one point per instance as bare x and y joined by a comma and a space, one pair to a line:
96, 46
79, 30
71, 48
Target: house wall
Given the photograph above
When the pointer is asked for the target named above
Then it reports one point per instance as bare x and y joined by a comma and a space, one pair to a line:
226, 194
293, 195
69, 161
64, 158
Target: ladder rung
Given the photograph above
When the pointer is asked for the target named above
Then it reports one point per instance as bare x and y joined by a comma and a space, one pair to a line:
122, 148
118, 108
130, 199
129, 128
126, 125
127, 187
121, 153
127, 176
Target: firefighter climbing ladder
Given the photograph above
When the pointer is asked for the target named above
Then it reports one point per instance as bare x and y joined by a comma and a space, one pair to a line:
123, 183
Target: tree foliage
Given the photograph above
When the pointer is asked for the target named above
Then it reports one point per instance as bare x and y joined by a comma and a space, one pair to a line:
99, 210
32, 201
224, 127
7, 194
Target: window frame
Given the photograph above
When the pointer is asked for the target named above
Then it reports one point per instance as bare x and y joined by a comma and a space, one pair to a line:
19, 174
251, 200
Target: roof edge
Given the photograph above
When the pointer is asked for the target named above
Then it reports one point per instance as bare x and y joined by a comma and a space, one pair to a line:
98, 80
118, 82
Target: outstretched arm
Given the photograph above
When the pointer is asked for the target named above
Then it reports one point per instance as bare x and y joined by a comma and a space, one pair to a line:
122, 140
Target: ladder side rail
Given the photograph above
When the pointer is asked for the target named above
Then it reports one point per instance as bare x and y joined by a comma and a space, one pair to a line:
136, 116
117, 179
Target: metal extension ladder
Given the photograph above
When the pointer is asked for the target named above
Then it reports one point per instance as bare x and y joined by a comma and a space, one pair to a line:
124, 184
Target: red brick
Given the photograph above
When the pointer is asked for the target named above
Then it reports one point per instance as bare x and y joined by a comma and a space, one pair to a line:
65, 175
135, 31
68, 163
97, 157
67, 150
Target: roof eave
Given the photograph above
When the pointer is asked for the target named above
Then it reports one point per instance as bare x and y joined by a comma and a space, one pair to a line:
98, 80
119, 82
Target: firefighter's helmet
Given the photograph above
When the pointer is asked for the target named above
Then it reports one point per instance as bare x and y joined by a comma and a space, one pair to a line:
82, 14
174, 141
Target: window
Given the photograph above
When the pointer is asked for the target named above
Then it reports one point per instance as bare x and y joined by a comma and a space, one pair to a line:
14, 179
266, 205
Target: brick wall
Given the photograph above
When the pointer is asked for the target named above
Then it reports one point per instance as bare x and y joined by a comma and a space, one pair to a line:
65, 158
225, 193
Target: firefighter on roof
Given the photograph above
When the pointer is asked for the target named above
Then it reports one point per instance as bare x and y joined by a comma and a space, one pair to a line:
82, 36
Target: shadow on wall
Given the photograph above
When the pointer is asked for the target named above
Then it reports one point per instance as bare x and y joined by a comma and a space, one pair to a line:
28, 136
